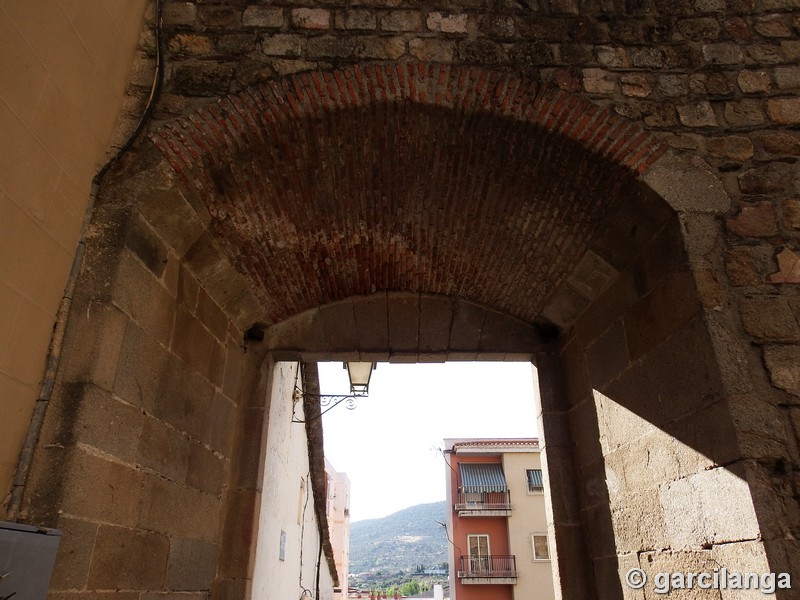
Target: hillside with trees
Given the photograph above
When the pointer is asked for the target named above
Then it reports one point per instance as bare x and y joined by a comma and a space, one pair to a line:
399, 548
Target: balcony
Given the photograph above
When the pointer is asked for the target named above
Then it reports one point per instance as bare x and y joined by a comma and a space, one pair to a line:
483, 504
488, 570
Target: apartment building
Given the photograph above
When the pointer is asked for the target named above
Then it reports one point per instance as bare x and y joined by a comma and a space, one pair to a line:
338, 511
496, 520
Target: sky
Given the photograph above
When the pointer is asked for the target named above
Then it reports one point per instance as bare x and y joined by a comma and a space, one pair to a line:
390, 444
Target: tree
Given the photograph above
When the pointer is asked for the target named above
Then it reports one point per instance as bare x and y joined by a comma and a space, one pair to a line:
410, 588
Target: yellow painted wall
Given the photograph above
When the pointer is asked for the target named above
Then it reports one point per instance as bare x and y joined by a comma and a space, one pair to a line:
528, 516
64, 65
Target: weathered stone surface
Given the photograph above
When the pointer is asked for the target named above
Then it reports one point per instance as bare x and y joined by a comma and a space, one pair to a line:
311, 18
435, 50
128, 558
163, 449
456, 23
788, 268
784, 111
780, 143
770, 320
262, 16
191, 566
773, 26
74, 554
754, 221
205, 470
178, 510
204, 79
607, 356
141, 295
791, 214
357, 20
745, 113
635, 86
710, 507
108, 424
735, 147
102, 490
722, 53
191, 44
180, 13
698, 114
598, 81
611, 57
783, 363
401, 20
219, 16
768, 179
787, 77
754, 82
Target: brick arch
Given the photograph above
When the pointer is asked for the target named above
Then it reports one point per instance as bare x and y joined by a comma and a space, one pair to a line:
414, 177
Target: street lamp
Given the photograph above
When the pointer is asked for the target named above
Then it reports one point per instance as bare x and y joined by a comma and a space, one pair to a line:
359, 374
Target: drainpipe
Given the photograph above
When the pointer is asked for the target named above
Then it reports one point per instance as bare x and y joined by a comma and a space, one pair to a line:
57, 340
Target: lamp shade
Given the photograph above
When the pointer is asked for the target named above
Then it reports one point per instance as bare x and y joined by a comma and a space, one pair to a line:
359, 374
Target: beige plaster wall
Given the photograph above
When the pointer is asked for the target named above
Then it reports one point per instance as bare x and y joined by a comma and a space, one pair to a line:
535, 578
339, 523
287, 503
64, 65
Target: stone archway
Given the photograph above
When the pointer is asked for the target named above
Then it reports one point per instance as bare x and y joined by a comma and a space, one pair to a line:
580, 228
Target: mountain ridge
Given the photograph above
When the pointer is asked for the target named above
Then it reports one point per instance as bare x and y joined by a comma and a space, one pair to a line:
400, 541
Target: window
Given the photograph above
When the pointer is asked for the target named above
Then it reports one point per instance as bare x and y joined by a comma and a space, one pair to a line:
535, 483
478, 545
541, 551
479, 561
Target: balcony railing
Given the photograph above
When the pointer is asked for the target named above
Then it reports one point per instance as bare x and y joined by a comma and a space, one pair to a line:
488, 567
480, 500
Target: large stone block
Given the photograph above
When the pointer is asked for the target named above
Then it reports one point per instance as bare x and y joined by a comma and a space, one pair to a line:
193, 342
638, 521
435, 318
252, 427
163, 449
106, 423
206, 470
608, 356
185, 399
783, 363
662, 312
404, 315
141, 362
192, 565
241, 520
709, 507
128, 559
178, 510
101, 490
74, 554
372, 322
340, 326
143, 242
140, 294
211, 315
95, 356
467, 326
222, 419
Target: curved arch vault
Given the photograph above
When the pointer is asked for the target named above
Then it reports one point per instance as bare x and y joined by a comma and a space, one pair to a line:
419, 178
